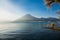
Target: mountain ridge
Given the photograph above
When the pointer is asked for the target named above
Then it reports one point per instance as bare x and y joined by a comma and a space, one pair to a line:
29, 17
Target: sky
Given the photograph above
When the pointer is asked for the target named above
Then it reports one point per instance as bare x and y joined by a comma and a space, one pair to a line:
14, 9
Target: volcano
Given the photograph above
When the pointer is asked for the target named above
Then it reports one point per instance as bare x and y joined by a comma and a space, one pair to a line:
27, 17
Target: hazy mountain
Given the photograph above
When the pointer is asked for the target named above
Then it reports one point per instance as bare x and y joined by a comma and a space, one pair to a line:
27, 17
52, 19
43, 19
49, 19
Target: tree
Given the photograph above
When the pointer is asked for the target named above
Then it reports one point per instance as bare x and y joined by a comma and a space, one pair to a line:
50, 2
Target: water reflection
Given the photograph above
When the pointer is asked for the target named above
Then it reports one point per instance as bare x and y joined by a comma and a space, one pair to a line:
27, 31
17, 28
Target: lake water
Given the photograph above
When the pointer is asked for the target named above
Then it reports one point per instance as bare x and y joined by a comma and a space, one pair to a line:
27, 31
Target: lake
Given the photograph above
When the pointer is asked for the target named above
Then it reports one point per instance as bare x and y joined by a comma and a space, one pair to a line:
27, 31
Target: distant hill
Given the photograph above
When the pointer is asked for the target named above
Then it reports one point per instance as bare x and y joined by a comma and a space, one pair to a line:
27, 17
49, 19
52, 19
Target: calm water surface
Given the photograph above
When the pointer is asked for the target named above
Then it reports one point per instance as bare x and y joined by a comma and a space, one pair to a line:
27, 31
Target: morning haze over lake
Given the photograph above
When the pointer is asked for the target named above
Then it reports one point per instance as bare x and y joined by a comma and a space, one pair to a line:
29, 20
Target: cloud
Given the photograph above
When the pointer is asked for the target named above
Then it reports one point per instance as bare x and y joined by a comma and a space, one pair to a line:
5, 14
9, 12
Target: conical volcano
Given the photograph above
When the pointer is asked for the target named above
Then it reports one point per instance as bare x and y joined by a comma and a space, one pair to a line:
27, 17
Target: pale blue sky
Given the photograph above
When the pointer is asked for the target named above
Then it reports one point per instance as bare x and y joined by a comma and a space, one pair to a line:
36, 7
13, 9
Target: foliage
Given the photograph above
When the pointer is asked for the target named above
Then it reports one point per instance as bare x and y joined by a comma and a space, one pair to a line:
50, 2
